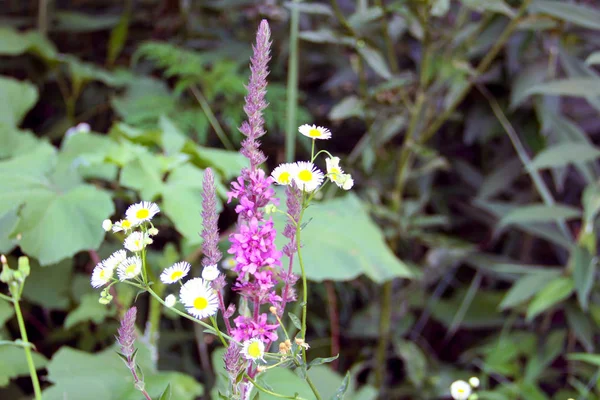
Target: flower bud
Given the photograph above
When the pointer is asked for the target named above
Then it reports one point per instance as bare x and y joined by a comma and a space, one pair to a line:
6, 275
474, 382
348, 182
210, 273
273, 310
3, 259
153, 231
24, 267
103, 300
170, 300
270, 208
107, 225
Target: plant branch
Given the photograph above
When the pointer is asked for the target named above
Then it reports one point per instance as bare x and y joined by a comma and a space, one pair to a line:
292, 86
212, 119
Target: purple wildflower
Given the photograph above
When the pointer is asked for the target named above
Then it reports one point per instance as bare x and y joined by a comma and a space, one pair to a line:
210, 217
253, 247
247, 328
126, 334
253, 128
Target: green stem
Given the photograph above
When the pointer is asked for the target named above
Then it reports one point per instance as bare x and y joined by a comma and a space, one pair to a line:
30, 364
267, 391
292, 86
385, 333
389, 45
5, 297
214, 322
212, 119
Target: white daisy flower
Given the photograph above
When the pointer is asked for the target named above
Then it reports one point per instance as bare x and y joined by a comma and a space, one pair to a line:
115, 259
253, 349
101, 275
315, 132
284, 174
348, 182
136, 241
228, 263
334, 171
199, 299
210, 273
142, 211
122, 225
171, 300
107, 225
130, 268
308, 176
460, 390
175, 272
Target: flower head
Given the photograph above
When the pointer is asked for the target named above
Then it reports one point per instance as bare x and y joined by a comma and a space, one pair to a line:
198, 298
474, 382
171, 300
308, 177
115, 260
460, 390
130, 268
284, 174
122, 225
142, 211
210, 273
101, 275
348, 182
334, 171
126, 334
253, 349
210, 219
229, 263
136, 241
315, 132
175, 272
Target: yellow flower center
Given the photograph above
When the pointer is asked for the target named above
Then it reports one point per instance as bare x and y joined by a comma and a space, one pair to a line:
126, 224
103, 274
254, 350
176, 275
142, 214
305, 175
285, 177
314, 133
130, 270
137, 244
200, 303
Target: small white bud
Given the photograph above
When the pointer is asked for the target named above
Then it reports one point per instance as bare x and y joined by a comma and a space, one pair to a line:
474, 381
153, 231
107, 225
210, 273
270, 209
348, 182
170, 300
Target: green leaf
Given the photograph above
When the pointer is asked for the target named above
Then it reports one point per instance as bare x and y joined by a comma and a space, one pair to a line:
375, 60
525, 288
415, 363
49, 287
341, 242
68, 21
501, 179
75, 374
16, 99
582, 326
574, 87
577, 14
13, 43
350, 106
539, 213
144, 174
547, 353
118, 36
593, 59
166, 395
584, 271
498, 6
320, 361
6, 312
89, 310
295, 321
14, 363
591, 202
593, 359
565, 153
553, 293
341, 391
172, 138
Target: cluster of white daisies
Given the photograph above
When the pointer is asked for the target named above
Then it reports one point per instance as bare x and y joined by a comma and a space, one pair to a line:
306, 175
196, 294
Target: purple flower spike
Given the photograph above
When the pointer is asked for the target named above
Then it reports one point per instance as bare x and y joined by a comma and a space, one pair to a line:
210, 217
126, 333
253, 128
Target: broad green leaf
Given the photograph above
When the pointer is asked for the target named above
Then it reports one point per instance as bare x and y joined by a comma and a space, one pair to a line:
74, 217
498, 6
415, 362
89, 310
75, 374
172, 139
341, 391
118, 36
16, 99
551, 348
322, 35
593, 359
295, 320
87, 153
320, 361
14, 363
553, 293
525, 288
565, 153
227, 163
350, 106
166, 395
13, 43
577, 14
68, 21
49, 287
584, 270
375, 60
593, 59
364, 16
591, 202
6, 312
582, 326
539, 213
144, 174
341, 242
8, 222
573, 87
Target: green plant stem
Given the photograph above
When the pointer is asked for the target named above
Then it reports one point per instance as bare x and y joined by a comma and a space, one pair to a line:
43, 17
481, 68
5, 297
219, 334
292, 86
32, 372
212, 119
389, 45
385, 318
